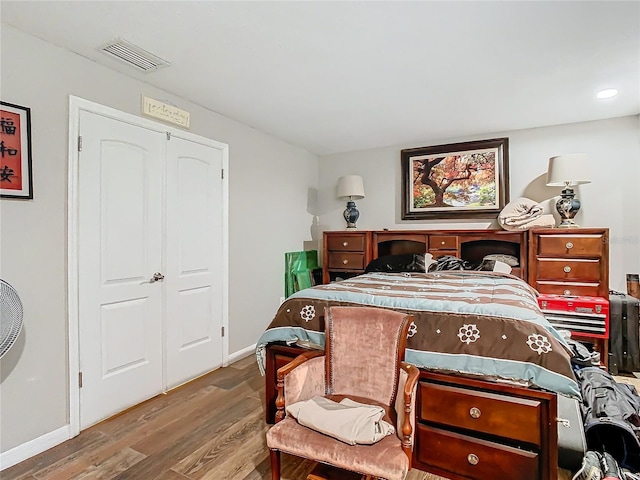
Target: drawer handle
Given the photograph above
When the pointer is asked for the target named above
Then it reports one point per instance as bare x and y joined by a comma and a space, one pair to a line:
569, 245
567, 292
345, 244
473, 459
345, 261
475, 412
567, 269
443, 243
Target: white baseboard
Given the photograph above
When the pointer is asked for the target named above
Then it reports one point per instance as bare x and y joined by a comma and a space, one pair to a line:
33, 447
240, 354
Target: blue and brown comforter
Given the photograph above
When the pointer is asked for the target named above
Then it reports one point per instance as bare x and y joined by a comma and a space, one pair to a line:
481, 323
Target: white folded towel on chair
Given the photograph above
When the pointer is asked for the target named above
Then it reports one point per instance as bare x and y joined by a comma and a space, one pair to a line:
348, 421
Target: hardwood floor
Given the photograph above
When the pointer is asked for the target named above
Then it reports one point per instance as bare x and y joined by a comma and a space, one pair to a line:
210, 429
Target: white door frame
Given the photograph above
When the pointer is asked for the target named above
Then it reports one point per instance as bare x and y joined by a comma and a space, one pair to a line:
76, 105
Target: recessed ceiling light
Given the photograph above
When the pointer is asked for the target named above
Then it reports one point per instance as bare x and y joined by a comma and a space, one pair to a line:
608, 93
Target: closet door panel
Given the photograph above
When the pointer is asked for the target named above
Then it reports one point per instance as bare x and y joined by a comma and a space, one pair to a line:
120, 248
194, 258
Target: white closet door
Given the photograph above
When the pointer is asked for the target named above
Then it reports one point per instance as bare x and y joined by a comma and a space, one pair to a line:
194, 260
120, 248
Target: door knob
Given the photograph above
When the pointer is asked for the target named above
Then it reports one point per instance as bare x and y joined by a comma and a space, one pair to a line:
156, 277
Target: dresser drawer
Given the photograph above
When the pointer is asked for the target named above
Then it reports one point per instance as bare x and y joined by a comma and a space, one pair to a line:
346, 243
481, 412
346, 261
443, 242
474, 458
568, 269
569, 288
571, 245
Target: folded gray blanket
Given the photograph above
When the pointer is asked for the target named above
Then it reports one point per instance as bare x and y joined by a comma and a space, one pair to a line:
348, 421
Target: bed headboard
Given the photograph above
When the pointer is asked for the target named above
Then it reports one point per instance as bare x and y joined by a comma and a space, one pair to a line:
347, 253
470, 245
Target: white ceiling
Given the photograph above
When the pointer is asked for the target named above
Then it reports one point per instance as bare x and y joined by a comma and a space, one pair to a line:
340, 76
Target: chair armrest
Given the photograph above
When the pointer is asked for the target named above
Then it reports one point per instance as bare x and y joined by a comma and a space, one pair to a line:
291, 390
405, 409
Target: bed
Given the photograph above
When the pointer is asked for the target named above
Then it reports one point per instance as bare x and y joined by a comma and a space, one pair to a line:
486, 324
492, 367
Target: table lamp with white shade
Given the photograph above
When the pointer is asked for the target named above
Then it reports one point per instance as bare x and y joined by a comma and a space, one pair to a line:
351, 187
566, 171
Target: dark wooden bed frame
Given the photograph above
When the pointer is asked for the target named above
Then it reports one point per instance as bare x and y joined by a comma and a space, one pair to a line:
466, 428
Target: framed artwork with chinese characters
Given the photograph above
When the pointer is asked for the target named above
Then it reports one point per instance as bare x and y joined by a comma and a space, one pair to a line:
15, 151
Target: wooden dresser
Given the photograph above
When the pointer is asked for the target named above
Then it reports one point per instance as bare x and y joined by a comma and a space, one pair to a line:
569, 261
472, 429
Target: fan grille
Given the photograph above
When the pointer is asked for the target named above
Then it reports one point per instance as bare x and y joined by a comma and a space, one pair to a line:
10, 317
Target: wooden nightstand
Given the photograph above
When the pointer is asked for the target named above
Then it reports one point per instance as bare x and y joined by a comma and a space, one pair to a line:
345, 254
569, 261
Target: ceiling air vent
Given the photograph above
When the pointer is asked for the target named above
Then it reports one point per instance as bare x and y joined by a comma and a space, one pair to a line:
133, 55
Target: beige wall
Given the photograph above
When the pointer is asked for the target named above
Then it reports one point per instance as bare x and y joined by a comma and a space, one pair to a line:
612, 199
268, 216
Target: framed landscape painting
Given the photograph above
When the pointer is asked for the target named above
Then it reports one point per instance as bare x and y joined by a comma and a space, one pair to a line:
457, 180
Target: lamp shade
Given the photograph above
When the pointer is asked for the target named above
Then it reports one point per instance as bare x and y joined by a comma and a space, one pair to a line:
569, 169
350, 186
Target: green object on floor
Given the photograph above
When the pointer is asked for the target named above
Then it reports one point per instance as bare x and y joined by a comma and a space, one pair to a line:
298, 273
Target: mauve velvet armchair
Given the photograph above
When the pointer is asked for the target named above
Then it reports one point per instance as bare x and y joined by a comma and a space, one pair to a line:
362, 360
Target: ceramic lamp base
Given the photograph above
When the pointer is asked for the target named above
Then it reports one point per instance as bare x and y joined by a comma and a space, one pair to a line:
351, 215
568, 206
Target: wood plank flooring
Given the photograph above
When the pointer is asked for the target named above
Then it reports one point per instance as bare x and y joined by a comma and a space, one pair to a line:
209, 429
